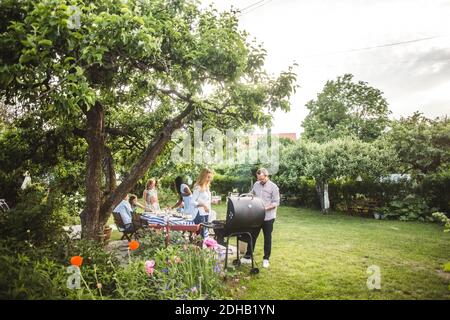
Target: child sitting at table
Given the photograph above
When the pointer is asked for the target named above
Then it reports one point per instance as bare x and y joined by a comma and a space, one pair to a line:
134, 203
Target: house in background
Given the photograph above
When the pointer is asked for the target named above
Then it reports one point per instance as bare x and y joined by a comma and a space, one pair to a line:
289, 135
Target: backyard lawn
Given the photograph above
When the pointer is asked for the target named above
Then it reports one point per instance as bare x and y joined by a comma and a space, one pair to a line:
317, 256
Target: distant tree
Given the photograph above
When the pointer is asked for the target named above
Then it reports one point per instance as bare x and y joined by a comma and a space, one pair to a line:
339, 158
422, 144
108, 71
345, 108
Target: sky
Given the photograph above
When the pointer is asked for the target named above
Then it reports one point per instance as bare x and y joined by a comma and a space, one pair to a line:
329, 38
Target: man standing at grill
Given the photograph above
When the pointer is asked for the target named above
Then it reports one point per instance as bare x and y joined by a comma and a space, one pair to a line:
268, 191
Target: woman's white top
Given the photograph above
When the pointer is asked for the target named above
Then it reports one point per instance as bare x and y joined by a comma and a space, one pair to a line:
186, 200
200, 197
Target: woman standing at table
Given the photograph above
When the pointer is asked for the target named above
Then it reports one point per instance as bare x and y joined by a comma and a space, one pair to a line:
150, 196
201, 198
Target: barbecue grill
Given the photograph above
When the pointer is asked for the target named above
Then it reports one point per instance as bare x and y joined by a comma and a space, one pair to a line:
245, 215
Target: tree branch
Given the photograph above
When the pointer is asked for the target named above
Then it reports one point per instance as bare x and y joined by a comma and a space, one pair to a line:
152, 151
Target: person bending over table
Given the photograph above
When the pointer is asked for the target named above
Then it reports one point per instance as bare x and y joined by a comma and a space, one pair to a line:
184, 194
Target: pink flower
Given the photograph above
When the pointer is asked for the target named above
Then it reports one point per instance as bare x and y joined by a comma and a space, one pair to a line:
210, 243
177, 259
149, 267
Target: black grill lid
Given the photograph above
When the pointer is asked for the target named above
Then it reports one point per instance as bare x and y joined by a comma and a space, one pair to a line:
244, 212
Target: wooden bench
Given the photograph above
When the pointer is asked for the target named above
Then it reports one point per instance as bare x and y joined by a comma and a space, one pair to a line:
363, 206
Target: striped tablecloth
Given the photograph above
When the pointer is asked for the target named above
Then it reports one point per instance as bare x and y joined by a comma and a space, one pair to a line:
173, 221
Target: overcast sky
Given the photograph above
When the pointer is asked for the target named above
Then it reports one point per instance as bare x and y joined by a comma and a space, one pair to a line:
324, 38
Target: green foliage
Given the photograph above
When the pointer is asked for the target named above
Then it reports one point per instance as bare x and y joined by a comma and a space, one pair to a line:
346, 108
338, 158
344, 158
431, 187
444, 219
99, 265
222, 184
151, 241
411, 207
52, 156
38, 218
140, 64
187, 272
422, 144
26, 278
447, 267
40, 272
133, 283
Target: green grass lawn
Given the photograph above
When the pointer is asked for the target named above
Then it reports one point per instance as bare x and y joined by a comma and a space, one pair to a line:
317, 256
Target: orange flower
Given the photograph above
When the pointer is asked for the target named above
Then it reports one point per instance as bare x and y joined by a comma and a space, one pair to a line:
133, 245
76, 261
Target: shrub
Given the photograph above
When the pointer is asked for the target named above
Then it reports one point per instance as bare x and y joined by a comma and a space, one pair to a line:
431, 188
38, 218
99, 266
133, 283
23, 277
223, 184
187, 272
444, 219
412, 207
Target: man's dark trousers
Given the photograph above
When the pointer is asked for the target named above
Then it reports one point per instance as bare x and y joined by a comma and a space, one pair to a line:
267, 229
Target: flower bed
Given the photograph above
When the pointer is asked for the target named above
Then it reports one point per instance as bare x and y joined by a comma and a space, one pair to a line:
84, 270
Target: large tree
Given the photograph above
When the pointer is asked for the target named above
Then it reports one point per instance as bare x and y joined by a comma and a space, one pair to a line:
346, 107
109, 71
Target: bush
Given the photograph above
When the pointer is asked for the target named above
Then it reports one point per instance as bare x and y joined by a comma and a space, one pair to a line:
30, 272
410, 208
133, 283
432, 187
420, 198
223, 184
38, 218
182, 271
22, 277
99, 266
187, 272
153, 240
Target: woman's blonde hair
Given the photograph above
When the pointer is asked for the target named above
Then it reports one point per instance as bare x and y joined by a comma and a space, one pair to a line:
201, 179
149, 182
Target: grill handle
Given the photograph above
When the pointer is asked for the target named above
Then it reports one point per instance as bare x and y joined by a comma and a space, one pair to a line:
246, 195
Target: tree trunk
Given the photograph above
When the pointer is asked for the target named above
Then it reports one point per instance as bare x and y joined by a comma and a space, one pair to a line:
322, 192
109, 171
90, 223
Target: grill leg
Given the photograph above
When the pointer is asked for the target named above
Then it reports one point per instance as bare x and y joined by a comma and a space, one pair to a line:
251, 248
226, 253
237, 249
